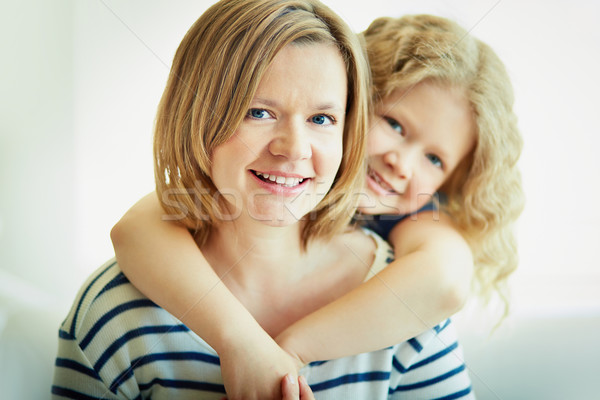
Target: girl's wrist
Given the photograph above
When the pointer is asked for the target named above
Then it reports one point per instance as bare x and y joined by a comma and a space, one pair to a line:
293, 345
230, 339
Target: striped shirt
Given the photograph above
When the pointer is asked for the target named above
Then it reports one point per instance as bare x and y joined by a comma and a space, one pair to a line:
117, 344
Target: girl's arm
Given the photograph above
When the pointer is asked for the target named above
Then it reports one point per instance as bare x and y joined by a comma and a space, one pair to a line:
428, 281
162, 260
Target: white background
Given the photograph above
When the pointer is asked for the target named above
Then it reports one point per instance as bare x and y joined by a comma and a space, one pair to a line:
80, 82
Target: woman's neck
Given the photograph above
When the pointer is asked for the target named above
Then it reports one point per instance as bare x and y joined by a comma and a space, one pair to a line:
254, 252
278, 282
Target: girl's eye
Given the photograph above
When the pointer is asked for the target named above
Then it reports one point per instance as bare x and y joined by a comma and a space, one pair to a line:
435, 160
257, 113
395, 125
322, 119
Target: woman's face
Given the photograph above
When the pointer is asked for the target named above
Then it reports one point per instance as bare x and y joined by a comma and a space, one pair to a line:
416, 139
284, 156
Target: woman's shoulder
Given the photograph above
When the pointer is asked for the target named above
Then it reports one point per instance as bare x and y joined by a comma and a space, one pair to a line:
113, 329
105, 297
384, 253
363, 249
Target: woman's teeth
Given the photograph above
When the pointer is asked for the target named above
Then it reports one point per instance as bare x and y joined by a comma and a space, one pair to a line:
280, 180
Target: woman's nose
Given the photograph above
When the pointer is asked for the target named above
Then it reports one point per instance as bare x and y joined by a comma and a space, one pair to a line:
292, 142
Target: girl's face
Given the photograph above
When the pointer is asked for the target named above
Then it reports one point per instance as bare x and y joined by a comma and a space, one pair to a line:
417, 138
284, 156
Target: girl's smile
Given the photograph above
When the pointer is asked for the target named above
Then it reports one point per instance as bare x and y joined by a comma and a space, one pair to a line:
378, 184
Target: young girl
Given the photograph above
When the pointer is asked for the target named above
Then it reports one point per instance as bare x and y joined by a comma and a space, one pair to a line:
443, 123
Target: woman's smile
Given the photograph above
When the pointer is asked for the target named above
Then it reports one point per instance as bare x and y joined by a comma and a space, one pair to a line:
281, 183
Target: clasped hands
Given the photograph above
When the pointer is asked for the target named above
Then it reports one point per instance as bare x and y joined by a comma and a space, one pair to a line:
262, 370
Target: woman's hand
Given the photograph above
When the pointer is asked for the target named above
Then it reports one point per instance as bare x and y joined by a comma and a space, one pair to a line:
294, 390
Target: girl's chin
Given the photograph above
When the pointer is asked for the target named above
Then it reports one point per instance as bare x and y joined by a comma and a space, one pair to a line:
377, 210
372, 204
366, 210
376, 206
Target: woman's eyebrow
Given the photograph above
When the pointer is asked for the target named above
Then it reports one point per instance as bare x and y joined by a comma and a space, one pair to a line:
266, 102
331, 106
328, 106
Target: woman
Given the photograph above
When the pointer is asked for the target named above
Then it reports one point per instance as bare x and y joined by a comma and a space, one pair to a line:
259, 143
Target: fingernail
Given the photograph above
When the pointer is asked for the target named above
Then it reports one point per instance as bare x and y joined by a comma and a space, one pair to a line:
303, 379
291, 380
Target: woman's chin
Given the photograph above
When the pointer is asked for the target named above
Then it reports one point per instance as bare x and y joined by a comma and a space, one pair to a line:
277, 215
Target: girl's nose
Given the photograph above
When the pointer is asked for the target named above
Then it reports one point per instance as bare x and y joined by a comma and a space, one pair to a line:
401, 162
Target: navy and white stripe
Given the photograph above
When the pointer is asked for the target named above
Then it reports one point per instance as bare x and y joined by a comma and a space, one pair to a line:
117, 344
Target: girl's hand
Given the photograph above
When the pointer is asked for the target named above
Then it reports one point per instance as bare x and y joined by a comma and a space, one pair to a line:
294, 390
254, 371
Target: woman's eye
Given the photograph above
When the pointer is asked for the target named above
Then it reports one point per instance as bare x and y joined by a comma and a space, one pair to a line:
257, 113
395, 125
435, 160
322, 119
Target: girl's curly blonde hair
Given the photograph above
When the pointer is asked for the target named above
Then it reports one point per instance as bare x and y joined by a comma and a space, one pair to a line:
484, 193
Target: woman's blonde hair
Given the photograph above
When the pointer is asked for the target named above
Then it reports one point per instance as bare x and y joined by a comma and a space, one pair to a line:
484, 193
215, 74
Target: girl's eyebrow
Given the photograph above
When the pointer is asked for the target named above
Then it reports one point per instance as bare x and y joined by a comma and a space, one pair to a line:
402, 118
439, 151
409, 124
